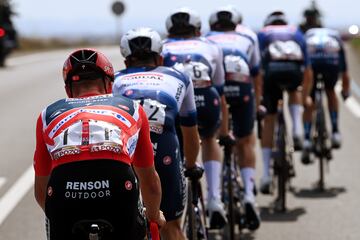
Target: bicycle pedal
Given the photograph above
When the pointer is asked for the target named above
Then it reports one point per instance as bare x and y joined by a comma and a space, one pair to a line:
328, 155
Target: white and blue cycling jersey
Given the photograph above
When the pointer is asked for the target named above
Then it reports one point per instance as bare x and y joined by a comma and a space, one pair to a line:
164, 92
325, 48
282, 43
241, 59
199, 58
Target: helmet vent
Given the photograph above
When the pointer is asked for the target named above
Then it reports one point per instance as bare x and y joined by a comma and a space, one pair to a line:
140, 45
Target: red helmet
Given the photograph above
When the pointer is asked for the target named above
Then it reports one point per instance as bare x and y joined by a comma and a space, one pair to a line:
85, 63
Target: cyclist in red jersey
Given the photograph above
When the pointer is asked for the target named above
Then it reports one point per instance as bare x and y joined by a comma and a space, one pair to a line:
86, 146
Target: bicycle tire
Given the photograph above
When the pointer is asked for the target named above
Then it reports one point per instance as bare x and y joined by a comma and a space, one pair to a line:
281, 165
320, 140
228, 194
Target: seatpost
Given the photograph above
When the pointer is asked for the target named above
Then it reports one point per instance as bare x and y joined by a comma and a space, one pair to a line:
94, 232
195, 191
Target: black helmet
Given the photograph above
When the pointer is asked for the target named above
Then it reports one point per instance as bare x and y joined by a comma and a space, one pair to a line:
276, 18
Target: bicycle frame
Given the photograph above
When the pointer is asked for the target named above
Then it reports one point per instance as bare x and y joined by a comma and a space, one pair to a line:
282, 157
195, 224
232, 191
93, 229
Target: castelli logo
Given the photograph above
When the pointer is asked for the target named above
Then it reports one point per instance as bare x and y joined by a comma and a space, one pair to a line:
129, 92
128, 185
49, 191
167, 160
216, 102
107, 69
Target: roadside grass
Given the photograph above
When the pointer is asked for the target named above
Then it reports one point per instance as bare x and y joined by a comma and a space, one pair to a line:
37, 44
355, 43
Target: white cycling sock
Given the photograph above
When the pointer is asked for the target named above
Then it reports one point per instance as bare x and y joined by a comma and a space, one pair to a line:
296, 112
266, 156
248, 177
213, 178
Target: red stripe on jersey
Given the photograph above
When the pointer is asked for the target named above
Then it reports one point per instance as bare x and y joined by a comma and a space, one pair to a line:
62, 116
91, 116
85, 137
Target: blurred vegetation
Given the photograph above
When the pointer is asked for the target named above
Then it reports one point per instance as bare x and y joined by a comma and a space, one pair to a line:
355, 42
38, 44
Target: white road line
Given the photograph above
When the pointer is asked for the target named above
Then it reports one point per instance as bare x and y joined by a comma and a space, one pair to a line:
350, 103
14, 195
2, 181
355, 88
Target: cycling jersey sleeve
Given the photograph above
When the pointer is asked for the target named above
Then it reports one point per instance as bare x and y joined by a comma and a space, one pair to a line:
144, 155
219, 75
187, 111
116, 85
42, 158
261, 40
255, 59
300, 39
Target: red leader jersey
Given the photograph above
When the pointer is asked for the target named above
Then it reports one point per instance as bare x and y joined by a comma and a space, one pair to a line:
92, 128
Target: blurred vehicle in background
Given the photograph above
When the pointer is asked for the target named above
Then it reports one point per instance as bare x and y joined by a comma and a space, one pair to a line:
8, 34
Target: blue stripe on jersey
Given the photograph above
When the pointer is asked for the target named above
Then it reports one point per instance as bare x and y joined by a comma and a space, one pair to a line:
190, 120
254, 71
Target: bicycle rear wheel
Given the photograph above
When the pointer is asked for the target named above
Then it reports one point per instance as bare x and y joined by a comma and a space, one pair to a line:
228, 194
281, 166
320, 140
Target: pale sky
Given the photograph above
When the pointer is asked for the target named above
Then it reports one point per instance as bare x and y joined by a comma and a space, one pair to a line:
72, 18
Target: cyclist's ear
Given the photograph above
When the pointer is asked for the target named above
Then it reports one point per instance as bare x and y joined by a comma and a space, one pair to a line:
197, 32
68, 90
127, 63
159, 60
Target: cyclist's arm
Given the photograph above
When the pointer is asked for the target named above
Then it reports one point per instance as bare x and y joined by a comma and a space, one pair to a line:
40, 190
150, 190
191, 145
224, 127
42, 166
256, 73
307, 84
144, 167
344, 72
258, 87
188, 124
308, 76
219, 82
345, 83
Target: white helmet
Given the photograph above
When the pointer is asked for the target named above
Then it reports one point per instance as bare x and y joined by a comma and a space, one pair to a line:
183, 17
141, 40
226, 13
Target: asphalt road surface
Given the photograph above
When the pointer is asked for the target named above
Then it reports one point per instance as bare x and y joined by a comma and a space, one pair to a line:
32, 81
